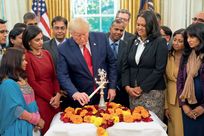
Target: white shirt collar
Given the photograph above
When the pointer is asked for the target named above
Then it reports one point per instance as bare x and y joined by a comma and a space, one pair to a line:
59, 42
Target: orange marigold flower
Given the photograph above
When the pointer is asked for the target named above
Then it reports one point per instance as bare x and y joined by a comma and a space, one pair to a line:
138, 109
68, 114
69, 110
145, 114
119, 111
76, 119
87, 119
137, 116
114, 105
100, 131
77, 111
83, 113
90, 108
106, 116
128, 118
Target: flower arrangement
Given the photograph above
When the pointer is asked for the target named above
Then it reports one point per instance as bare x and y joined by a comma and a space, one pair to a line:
103, 119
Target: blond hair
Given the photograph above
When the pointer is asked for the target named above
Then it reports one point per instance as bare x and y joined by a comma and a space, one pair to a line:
78, 24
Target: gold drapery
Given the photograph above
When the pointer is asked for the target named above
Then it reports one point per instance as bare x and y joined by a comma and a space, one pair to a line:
57, 8
133, 6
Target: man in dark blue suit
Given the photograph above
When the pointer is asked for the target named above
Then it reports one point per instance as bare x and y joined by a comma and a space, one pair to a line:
118, 46
80, 57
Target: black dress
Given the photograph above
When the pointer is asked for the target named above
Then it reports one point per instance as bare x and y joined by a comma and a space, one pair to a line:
195, 127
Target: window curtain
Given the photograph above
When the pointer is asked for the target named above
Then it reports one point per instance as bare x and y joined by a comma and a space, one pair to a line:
13, 11
57, 8
133, 7
179, 13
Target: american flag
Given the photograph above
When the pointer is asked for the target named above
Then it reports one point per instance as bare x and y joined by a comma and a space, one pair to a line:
146, 4
39, 8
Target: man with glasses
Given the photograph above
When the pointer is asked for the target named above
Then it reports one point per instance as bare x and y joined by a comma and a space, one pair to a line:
199, 18
124, 15
30, 18
3, 35
59, 30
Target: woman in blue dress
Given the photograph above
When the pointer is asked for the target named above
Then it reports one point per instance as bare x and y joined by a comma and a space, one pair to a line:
19, 111
190, 82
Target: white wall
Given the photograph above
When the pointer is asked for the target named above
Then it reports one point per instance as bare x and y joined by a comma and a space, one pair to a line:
178, 13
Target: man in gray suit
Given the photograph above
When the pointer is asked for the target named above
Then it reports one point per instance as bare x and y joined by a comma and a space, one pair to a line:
59, 29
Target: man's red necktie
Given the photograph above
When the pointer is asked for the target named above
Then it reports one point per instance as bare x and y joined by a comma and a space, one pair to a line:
88, 59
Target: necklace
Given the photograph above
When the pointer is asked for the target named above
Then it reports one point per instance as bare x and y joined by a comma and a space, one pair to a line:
38, 54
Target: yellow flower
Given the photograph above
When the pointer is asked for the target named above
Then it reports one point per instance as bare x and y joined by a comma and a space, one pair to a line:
126, 113
116, 119
98, 121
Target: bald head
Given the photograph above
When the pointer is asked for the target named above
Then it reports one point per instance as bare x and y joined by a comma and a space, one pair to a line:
199, 18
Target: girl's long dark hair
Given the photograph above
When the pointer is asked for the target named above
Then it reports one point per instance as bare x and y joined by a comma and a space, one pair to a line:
11, 64
193, 30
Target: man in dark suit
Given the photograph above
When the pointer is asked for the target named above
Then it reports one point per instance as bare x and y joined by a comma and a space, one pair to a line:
124, 15
59, 29
80, 57
166, 33
118, 46
30, 18
3, 35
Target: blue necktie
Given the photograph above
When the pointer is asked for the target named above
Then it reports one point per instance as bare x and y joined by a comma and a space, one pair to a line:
114, 47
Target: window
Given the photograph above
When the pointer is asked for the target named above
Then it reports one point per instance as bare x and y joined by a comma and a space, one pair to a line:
99, 13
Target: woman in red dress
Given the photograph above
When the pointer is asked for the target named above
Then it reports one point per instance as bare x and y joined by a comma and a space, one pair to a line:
41, 75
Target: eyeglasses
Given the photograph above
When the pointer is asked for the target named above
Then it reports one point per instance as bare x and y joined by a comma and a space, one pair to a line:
123, 19
59, 28
198, 19
4, 31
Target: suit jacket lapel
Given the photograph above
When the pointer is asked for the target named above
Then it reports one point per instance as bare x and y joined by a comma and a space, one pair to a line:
147, 46
132, 52
78, 55
120, 49
54, 48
